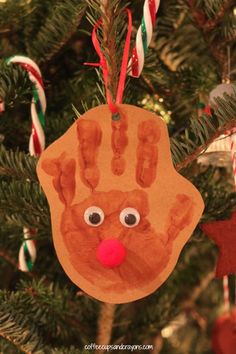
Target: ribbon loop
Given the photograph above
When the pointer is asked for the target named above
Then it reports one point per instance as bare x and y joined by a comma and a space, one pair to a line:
104, 66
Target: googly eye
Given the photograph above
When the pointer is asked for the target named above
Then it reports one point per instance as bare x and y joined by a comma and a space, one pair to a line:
129, 217
94, 216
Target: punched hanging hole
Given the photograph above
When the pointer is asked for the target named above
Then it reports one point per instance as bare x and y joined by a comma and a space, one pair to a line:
116, 116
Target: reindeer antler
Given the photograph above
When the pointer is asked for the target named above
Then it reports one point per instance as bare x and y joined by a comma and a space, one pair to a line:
63, 171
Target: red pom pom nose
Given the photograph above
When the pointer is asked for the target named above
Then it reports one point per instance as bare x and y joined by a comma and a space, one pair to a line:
111, 253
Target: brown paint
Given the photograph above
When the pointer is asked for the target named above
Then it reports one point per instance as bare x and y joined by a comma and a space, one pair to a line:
82, 240
147, 152
89, 135
169, 209
119, 141
62, 170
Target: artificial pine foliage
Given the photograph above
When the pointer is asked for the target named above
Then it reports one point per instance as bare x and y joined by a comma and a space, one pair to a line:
42, 311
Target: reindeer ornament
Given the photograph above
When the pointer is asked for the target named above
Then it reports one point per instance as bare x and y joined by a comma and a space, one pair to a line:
121, 214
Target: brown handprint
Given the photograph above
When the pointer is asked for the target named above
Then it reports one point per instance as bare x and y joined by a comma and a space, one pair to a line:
118, 231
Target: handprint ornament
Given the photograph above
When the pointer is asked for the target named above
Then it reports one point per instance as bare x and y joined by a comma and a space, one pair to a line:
120, 212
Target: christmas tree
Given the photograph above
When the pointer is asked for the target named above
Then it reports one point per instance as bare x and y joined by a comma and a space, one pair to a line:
192, 51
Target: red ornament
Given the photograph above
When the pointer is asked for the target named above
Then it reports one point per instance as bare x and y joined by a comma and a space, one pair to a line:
224, 334
223, 232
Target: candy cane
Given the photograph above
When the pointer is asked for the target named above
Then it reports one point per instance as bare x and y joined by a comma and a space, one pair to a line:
144, 37
27, 254
38, 104
226, 293
1, 106
233, 156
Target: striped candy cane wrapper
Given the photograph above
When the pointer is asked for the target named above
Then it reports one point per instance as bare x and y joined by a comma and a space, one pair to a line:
143, 37
27, 254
